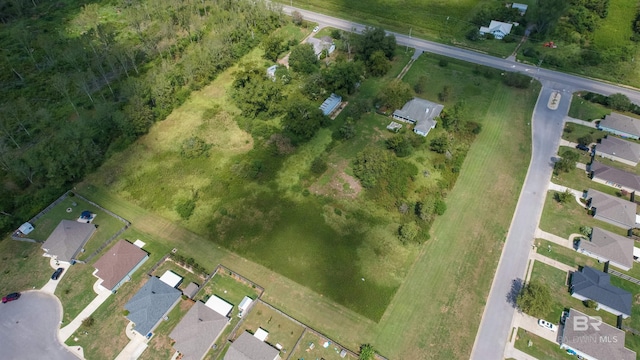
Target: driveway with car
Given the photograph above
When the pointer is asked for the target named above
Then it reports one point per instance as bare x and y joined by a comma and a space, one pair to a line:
29, 328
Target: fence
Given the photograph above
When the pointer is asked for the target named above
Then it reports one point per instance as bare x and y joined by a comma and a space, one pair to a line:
39, 215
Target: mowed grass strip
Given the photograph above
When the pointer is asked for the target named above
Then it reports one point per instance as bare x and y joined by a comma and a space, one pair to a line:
22, 266
450, 281
538, 347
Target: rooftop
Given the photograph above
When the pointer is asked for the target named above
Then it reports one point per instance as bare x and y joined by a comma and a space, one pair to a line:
330, 104
618, 210
615, 176
197, 331
594, 338
148, 306
170, 278
594, 284
219, 305
248, 347
621, 123
116, 263
623, 149
67, 239
614, 247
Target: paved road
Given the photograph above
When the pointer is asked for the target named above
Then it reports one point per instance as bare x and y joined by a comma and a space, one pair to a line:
546, 128
563, 80
29, 328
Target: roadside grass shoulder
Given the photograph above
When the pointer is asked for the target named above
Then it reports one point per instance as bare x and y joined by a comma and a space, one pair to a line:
566, 219
160, 346
281, 330
586, 110
22, 266
538, 347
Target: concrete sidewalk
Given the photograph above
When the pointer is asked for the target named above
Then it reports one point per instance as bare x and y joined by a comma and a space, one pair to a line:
556, 264
577, 194
74, 325
568, 243
590, 124
135, 347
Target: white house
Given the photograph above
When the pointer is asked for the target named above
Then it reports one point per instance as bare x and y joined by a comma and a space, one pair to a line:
497, 28
522, 8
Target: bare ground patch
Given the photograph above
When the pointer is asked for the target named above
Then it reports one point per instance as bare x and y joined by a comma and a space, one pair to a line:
339, 185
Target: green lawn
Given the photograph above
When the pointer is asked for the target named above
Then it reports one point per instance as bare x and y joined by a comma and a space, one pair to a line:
565, 255
572, 132
107, 224
303, 351
160, 344
228, 288
538, 347
22, 267
586, 110
566, 219
281, 330
75, 290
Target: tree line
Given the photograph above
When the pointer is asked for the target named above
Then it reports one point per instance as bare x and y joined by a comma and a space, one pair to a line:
81, 81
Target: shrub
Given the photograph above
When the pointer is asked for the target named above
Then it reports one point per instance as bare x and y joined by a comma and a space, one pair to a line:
125, 312
440, 207
88, 322
443, 63
563, 197
408, 232
319, 166
517, 80
194, 147
590, 304
185, 208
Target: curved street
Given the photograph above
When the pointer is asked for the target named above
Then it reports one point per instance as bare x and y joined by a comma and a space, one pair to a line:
29, 328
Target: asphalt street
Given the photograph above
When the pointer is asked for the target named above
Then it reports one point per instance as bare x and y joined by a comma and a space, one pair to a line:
546, 128
29, 328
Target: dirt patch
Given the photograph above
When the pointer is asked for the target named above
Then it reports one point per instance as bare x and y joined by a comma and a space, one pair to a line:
339, 183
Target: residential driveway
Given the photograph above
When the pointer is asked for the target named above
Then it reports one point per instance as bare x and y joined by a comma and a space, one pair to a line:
29, 328
530, 324
135, 347
50, 287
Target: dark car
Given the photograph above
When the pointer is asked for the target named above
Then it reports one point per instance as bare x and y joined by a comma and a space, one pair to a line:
10, 297
582, 147
56, 274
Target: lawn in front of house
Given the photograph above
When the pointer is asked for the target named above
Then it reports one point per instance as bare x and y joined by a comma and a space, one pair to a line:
282, 330
586, 110
572, 132
538, 347
106, 224
22, 266
160, 345
75, 290
304, 351
565, 255
564, 219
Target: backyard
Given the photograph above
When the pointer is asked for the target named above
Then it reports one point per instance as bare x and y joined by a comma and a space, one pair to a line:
187, 276
160, 344
311, 347
586, 110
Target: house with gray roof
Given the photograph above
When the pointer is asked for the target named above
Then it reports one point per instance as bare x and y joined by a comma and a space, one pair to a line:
322, 44
593, 339
498, 29
622, 125
421, 113
616, 149
614, 177
118, 264
249, 347
605, 246
614, 210
330, 104
151, 304
522, 8
197, 331
67, 239
592, 284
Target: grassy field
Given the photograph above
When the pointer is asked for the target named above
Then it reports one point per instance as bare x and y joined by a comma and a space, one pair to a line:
281, 329
566, 219
22, 267
160, 344
540, 348
303, 350
586, 110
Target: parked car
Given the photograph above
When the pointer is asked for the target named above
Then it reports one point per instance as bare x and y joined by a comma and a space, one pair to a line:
548, 325
57, 273
315, 29
582, 147
11, 297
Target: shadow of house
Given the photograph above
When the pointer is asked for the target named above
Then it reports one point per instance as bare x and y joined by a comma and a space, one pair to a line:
67, 239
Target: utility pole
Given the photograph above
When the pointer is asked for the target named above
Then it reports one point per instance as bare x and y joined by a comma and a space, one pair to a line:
407, 49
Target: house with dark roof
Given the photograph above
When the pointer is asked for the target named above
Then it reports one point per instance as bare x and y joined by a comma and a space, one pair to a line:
605, 246
622, 125
614, 210
614, 177
593, 339
592, 284
197, 331
151, 304
616, 149
249, 347
67, 239
117, 265
421, 113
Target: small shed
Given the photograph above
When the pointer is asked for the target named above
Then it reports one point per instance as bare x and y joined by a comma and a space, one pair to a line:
271, 72
219, 305
244, 304
139, 243
261, 334
330, 104
394, 126
522, 8
191, 290
170, 278
25, 228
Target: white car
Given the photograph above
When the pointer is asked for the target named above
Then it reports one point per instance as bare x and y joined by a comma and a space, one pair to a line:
548, 325
315, 29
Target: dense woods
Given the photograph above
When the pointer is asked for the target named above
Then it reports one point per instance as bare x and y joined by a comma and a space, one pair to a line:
81, 80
